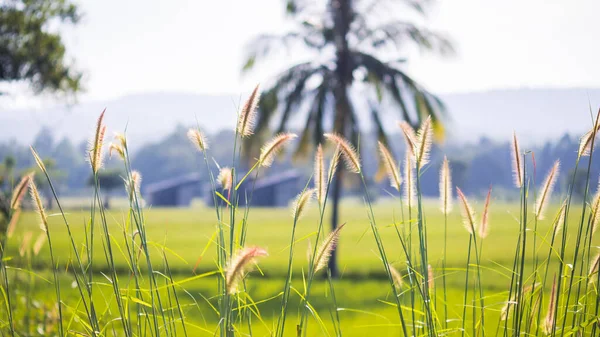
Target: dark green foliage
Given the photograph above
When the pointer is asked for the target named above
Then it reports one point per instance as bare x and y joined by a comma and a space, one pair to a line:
32, 50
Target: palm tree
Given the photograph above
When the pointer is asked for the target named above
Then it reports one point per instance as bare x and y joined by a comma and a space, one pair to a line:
352, 32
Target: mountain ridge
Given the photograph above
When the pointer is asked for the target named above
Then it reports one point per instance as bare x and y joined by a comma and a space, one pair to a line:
536, 114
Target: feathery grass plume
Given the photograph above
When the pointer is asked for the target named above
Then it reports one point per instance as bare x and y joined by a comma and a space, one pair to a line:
390, 166
121, 139
39, 243
19, 191
595, 209
272, 148
239, 265
467, 212
247, 114
594, 268
445, 187
39, 206
118, 149
320, 179
12, 225
424, 138
225, 178
198, 139
302, 202
560, 219
548, 322
409, 180
546, 191
38, 161
327, 246
24, 248
396, 277
517, 163
96, 143
430, 280
333, 164
410, 138
484, 229
135, 184
347, 151
585, 143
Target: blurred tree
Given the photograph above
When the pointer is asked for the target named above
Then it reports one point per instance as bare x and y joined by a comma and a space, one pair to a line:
108, 180
31, 48
345, 36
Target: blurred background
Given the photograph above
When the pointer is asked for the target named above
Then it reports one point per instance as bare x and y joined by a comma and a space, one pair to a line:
160, 67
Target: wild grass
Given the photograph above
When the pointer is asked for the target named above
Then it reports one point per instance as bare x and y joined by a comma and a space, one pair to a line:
407, 267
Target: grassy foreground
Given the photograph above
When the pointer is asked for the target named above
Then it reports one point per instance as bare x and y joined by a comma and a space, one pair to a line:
409, 267
362, 293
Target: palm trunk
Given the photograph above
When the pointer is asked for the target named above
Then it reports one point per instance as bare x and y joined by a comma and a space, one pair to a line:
335, 200
342, 14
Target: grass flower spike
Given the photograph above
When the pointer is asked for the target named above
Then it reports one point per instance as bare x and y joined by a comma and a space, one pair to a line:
546, 191
548, 323
225, 178
39, 206
247, 114
396, 276
328, 245
445, 187
96, 144
239, 265
424, 139
347, 151
198, 139
272, 148
517, 162
19, 191
302, 202
484, 228
467, 212
390, 166
410, 138
319, 175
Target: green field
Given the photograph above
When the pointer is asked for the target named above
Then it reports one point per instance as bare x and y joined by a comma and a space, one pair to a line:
363, 293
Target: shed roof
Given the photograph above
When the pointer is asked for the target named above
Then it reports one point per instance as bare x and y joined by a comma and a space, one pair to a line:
190, 178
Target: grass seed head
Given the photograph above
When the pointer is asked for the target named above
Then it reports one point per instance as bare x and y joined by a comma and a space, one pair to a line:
39, 206
273, 147
19, 191
198, 139
546, 191
240, 264
517, 162
327, 246
410, 138
484, 228
302, 203
467, 212
391, 168
247, 114
348, 152
445, 187
424, 140
319, 175
225, 178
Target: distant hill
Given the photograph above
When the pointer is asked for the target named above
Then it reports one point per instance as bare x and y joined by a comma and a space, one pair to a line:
536, 114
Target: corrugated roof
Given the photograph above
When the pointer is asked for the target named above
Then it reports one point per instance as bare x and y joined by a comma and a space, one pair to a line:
173, 182
277, 178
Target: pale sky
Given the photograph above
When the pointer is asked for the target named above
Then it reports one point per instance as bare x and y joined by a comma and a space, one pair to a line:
134, 46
